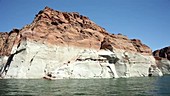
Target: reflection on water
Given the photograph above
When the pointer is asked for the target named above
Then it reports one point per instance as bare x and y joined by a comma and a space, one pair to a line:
154, 86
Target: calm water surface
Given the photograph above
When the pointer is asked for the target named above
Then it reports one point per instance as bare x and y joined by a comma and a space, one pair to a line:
154, 86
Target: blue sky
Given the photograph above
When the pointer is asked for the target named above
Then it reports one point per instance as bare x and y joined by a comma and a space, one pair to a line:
147, 20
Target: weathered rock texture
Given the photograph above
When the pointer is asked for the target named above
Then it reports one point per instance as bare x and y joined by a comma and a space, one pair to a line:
7, 41
162, 57
162, 53
69, 45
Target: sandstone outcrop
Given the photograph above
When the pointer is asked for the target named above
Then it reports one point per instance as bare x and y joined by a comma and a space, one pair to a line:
7, 41
162, 57
142, 48
68, 45
162, 53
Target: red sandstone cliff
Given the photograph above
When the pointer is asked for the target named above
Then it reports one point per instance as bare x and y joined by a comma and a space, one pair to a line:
7, 41
63, 28
162, 53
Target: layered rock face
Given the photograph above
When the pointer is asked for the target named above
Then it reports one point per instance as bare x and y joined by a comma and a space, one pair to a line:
162, 53
68, 45
162, 57
7, 41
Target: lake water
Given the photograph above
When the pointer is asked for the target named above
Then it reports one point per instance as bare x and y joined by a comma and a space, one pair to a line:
143, 86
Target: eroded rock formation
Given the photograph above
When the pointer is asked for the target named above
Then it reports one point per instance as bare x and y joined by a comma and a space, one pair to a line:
69, 45
162, 53
7, 41
162, 57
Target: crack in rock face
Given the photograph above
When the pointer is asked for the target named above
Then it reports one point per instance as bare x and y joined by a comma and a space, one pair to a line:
7, 65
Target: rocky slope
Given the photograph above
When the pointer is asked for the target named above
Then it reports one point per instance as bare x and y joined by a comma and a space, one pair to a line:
162, 57
69, 45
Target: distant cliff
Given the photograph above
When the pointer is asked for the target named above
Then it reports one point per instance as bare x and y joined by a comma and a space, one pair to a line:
162, 57
68, 45
162, 53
